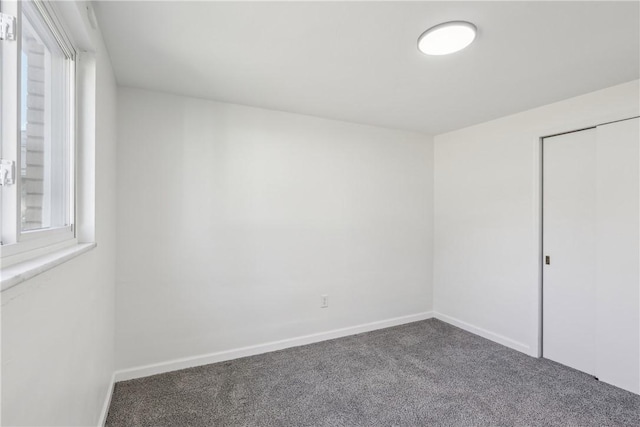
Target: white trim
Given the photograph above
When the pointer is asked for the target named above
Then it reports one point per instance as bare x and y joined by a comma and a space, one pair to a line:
537, 227
107, 402
221, 356
10, 102
41, 233
18, 273
500, 339
8, 259
35, 243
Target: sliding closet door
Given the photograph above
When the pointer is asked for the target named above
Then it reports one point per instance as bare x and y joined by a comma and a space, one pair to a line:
569, 236
618, 254
591, 234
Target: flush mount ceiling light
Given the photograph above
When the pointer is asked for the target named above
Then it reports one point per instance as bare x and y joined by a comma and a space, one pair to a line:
447, 38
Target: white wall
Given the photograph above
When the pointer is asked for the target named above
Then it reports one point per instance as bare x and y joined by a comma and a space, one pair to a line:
58, 328
234, 220
487, 214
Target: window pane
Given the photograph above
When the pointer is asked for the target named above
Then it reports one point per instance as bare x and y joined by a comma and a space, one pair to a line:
45, 127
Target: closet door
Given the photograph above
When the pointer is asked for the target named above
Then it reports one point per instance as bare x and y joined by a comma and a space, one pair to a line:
569, 240
618, 254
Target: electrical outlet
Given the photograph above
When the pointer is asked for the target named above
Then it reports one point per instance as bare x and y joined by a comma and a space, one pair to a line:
324, 301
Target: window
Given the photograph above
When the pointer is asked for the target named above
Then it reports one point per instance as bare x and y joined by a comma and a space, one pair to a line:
38, 128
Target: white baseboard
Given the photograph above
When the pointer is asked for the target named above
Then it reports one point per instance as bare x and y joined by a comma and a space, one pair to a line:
107, 402
508, 342
221, 356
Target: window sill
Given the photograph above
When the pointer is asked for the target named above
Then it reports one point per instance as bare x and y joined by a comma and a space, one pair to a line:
18, 273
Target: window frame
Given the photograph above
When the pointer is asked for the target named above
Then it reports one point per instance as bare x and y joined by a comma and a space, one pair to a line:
18, 245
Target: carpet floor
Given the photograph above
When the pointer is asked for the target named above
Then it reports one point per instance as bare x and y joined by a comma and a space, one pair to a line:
426, 373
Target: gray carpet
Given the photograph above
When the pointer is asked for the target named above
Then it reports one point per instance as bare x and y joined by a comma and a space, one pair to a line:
422, 374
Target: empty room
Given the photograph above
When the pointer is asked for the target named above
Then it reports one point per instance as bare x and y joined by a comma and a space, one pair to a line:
330, 213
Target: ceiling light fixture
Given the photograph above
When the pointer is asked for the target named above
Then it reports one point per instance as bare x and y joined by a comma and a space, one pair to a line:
447, 38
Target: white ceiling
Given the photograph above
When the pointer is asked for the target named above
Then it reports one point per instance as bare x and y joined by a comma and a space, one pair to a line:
358, 61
